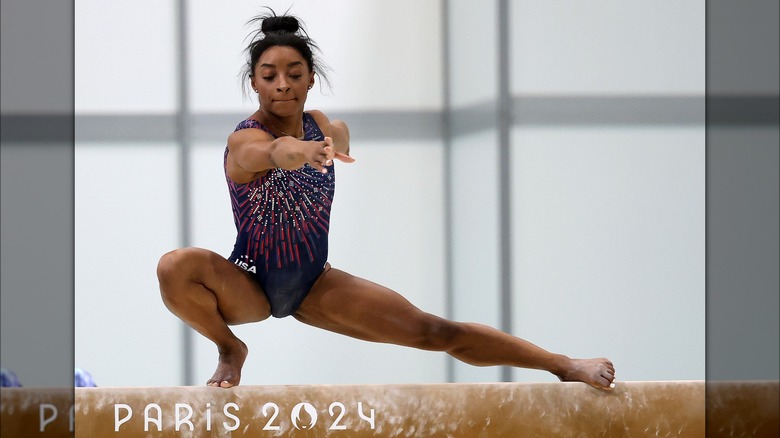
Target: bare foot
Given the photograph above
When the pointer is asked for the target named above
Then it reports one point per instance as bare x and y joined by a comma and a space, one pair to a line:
228, 371
599, 373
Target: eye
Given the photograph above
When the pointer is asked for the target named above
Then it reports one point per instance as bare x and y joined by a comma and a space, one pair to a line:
296, 76
268, 78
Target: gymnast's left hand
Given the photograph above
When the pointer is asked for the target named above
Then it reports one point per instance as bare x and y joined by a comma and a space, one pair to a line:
331, 154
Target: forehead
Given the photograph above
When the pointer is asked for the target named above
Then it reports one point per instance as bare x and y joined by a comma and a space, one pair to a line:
280, 56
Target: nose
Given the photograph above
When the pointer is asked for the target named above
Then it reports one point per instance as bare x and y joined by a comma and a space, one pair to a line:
282, 86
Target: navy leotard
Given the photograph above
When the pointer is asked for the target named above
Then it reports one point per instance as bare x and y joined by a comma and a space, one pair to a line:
282, 220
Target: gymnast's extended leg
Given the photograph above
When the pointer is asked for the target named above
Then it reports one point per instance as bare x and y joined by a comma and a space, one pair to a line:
352, 306
209, 292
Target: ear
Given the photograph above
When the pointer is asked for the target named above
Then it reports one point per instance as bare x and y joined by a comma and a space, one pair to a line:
252, 82
311, 80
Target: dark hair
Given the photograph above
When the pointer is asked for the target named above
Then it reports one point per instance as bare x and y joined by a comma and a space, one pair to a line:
280, 30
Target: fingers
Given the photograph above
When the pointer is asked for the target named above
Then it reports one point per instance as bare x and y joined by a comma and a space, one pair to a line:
324, 153
344, 158
326, 158
321, 163
328, 154
338, 156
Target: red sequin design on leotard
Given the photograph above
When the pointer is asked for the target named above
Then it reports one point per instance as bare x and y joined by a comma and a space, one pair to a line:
283, 217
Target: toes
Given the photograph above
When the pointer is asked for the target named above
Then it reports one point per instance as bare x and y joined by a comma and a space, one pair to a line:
606, 384
611, 380
222, 384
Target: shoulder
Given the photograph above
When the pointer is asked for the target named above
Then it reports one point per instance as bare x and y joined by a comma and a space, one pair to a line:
322, 121
249, 123
243, 134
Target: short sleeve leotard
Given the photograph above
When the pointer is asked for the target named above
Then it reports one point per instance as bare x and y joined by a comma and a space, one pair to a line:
282, 219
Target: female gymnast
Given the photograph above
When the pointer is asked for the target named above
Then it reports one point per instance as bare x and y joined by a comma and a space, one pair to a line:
280, 174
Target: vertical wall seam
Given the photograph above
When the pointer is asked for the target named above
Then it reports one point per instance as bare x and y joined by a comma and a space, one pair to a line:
449, 293
505, 224
183, 141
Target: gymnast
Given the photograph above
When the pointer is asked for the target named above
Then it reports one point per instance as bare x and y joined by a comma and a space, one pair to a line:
279, 167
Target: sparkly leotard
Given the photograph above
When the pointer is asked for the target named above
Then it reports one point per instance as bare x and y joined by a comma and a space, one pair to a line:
282, 220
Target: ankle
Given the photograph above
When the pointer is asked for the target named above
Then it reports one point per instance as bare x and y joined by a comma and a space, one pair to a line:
232, 347
560, 365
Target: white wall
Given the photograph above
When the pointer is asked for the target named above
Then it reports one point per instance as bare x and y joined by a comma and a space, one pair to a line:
608, 240
126, 199
607, 47
476, 240
608, 221
125, 56
474, 42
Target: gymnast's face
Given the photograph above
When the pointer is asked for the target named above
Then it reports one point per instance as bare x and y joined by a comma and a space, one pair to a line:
282, 80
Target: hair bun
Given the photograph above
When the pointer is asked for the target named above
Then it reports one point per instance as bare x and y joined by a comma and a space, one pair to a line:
280, 24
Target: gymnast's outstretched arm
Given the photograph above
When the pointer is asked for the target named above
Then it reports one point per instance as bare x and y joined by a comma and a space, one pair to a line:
254, 151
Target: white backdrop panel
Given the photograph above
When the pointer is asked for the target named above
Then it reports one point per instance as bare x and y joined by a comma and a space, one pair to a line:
608, 240
125, 57
607, 47
126, 202
475, 245
473, 53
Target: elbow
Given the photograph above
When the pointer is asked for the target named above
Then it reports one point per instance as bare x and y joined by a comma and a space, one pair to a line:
340, 129
341, 135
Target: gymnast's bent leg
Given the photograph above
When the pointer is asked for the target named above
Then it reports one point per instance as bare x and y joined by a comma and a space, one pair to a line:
342, 303
209, 292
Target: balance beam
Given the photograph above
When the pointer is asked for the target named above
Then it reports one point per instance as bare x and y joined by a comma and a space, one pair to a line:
673, 408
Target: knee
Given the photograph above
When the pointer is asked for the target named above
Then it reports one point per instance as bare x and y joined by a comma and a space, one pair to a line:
438, 334
173, 267
168, 265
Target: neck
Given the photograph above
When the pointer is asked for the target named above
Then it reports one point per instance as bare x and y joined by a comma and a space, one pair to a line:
289, 126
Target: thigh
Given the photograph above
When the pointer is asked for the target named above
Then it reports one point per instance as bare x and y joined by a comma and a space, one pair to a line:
239, 297
342, 303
